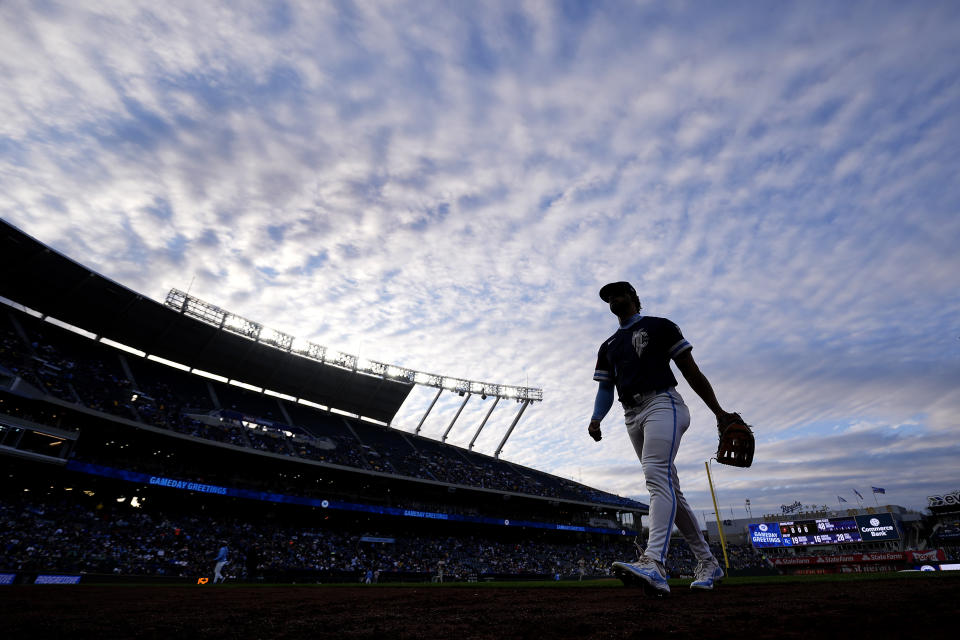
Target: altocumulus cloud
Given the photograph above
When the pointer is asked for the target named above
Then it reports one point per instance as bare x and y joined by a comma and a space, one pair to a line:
446, 186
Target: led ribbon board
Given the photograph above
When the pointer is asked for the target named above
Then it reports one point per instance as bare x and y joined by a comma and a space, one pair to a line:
184, 485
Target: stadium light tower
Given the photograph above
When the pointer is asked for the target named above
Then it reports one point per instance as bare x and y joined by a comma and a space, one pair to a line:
207, 313
224, 320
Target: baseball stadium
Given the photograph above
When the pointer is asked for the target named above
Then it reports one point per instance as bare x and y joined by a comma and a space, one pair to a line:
175, 460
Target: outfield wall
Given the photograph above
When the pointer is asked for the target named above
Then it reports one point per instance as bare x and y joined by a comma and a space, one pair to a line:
877, 562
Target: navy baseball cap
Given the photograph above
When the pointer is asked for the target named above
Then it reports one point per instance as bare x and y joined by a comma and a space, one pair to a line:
609, 290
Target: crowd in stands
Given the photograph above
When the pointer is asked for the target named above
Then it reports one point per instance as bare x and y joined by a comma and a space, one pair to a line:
77, 370
70, 535
166, 463
946, 535
682, 563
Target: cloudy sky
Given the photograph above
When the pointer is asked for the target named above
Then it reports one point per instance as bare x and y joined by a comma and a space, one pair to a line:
446, 185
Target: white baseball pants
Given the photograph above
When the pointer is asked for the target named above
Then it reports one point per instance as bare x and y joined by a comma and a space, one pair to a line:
655, 428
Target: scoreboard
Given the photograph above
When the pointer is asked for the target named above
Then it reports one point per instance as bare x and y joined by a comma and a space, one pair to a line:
822, 531
844, 530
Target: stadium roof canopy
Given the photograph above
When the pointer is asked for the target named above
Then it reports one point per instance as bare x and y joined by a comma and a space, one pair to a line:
36, 276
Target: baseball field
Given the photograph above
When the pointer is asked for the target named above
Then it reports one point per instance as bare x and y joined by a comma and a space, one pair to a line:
901, 605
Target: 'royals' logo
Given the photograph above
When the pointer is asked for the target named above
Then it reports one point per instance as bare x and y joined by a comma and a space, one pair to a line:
640, 340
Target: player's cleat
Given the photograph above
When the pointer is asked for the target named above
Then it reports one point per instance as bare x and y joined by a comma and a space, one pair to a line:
706, 575
645, 572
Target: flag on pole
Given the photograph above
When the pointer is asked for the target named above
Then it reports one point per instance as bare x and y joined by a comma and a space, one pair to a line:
858, 494
840, 498
878, 489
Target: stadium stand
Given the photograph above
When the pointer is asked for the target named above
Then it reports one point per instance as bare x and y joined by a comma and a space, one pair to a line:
97, 527
74, 369
88, 422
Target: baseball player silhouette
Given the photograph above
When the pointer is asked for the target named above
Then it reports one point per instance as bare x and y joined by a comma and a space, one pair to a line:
636, 361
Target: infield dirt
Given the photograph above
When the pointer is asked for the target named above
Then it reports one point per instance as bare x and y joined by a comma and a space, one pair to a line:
883, 608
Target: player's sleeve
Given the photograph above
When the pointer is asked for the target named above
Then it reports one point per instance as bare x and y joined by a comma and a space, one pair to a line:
603, 401
602, 373
678, 344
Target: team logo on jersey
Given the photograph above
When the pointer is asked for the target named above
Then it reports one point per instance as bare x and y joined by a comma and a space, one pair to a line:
640, 341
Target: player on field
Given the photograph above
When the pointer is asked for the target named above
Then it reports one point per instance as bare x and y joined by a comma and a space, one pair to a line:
221, 561
636, 361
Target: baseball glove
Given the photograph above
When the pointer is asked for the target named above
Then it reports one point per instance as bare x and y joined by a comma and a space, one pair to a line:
736, 441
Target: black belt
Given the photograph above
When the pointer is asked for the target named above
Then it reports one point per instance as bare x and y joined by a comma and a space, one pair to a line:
639, 398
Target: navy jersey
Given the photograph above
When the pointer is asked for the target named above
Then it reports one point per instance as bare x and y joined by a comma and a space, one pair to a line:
637, 357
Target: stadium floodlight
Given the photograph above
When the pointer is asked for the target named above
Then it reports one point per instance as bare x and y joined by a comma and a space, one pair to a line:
276, 338
429, 380
242, 326
344, 360
213, 315
195, 308
177, 299
301, 346
309, 350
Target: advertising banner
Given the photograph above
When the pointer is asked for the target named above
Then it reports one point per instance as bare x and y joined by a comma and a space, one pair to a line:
951, 535
877, 528
951, 499
930, 555
45, 578
186, 485
848, 558
766, 534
